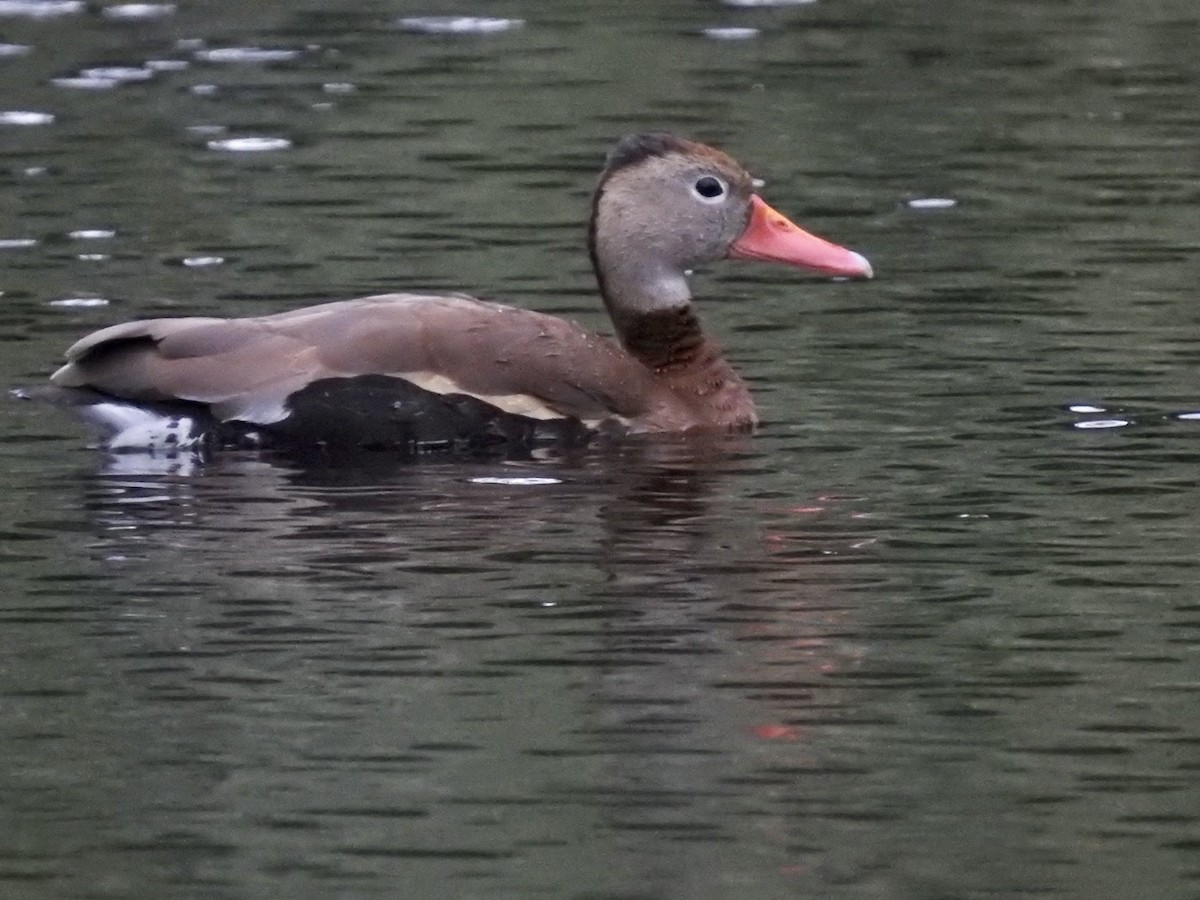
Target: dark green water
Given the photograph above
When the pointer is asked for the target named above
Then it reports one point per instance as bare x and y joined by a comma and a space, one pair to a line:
923, 637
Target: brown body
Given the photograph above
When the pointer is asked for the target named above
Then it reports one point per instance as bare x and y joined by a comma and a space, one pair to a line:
652, 221
523, 362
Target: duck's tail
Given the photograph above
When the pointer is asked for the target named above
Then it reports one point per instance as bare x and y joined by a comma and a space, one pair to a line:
123, 425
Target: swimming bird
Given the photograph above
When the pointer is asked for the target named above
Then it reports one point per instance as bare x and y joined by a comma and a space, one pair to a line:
414, 372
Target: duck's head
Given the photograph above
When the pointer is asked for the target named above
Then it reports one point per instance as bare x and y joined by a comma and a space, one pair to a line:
665, 205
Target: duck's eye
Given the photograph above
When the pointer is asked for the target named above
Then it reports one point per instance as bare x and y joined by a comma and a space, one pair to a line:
710, 189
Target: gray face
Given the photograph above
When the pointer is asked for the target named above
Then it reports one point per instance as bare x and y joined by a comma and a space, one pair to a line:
675, 211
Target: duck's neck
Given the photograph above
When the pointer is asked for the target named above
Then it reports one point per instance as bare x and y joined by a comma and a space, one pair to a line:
655, 322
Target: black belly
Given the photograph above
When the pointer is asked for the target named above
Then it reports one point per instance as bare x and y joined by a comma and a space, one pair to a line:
379, 412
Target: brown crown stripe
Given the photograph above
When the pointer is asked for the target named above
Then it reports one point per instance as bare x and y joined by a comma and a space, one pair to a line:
637, 148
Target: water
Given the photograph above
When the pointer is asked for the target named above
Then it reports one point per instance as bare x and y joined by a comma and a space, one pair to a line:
932, 634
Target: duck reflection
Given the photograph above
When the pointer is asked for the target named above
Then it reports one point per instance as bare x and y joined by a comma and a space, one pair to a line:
643, 522
623, 630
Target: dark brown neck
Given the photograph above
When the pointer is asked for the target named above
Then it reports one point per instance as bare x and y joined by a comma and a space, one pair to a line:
666, 341
673, 346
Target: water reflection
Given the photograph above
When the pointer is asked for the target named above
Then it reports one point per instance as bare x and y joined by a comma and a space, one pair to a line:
638, 494
389, 628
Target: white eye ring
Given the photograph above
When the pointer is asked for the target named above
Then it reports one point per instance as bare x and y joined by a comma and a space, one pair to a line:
710, 189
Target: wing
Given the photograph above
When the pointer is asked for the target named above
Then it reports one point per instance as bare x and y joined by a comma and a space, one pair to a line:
520, 361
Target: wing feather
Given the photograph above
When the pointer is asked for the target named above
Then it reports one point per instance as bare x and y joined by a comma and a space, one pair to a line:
246, 368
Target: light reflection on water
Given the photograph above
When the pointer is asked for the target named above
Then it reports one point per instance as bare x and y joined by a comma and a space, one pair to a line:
932, 633
591, 625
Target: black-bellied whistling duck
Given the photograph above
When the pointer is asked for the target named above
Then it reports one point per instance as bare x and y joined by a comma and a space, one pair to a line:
413, 371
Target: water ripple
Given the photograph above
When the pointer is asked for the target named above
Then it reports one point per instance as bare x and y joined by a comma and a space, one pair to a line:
80, 82
138, 12
931, 203
40, 9
119, 73
247, 54
749, 4
250, 144
25, 117
79, 302
516, 480
730, 33
458, 24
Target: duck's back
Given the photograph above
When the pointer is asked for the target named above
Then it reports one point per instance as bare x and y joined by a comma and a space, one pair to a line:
396, 368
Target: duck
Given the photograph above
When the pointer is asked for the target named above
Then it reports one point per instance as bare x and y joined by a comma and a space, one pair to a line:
415, 372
